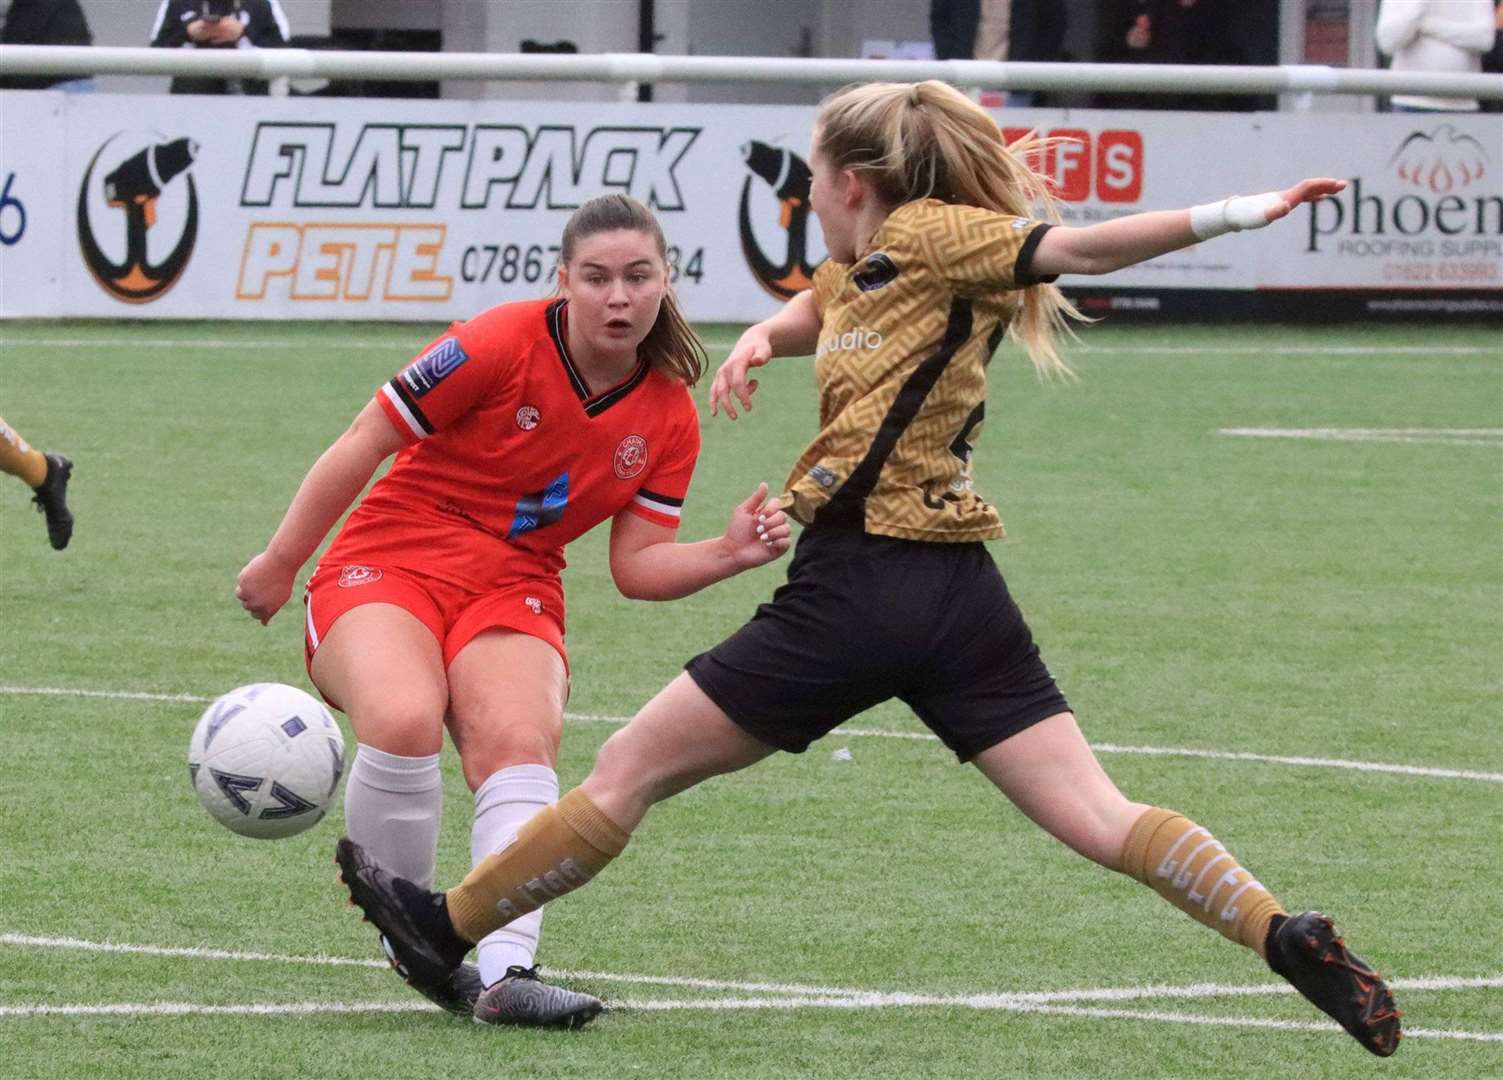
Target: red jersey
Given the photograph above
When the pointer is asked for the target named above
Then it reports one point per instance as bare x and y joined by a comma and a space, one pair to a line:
508, 453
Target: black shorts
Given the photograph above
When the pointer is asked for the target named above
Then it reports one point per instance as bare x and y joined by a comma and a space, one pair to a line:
866, 618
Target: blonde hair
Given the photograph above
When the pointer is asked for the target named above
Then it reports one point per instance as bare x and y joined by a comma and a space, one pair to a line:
671, 345
927, 140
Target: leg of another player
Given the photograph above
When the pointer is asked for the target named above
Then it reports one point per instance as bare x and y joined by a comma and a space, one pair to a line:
678, 739
47, 475
1050, 773
385, 669
506, 698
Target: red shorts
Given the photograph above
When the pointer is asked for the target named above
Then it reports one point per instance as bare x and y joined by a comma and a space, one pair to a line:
452, 613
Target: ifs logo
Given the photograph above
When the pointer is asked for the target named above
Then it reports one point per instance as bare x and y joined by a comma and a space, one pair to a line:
788, 176
137, 178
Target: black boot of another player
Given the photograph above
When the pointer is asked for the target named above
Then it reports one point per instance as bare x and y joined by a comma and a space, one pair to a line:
1306, 950
413, 921
457, 995
52, 500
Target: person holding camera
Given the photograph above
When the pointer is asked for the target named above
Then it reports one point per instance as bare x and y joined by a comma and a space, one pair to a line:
219, 24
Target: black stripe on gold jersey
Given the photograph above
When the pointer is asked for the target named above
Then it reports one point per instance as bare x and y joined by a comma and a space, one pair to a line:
906, 333
1024, 269
903, 409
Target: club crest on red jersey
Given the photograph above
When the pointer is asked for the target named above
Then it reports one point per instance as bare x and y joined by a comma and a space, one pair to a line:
528, 417
631, 456
350, 576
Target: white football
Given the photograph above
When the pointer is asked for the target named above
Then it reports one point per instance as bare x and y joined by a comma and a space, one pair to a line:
265, 760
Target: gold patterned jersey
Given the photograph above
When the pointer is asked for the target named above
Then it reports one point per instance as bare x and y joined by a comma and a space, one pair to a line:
906, 333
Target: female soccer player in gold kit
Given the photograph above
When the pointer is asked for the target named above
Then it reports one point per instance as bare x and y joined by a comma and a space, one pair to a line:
934, 255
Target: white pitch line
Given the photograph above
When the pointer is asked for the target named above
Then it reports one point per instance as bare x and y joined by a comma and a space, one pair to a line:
1160, 1016
1430, 436
304, 344
1300, 350
42, 941
198, 953
877, 733
1323, 763
312, 342
1192, 991
314, 1008
185, 1008
790, 996
112, 695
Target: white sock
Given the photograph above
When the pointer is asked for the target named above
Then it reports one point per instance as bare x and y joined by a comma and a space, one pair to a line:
392, 806
508, 798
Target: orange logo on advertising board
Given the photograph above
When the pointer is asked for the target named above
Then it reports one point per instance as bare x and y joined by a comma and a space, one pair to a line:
336, 261
788, 176
141, 175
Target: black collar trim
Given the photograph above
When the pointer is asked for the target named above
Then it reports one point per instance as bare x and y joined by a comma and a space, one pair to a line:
598, 404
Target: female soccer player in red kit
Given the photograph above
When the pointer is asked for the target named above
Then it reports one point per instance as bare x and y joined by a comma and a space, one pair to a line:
936, 254
439, 602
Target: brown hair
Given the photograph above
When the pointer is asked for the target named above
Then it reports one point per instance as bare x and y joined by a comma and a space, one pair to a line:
671, 345
927, 140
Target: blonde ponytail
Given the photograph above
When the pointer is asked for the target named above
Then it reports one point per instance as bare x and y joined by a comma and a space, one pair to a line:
928, 140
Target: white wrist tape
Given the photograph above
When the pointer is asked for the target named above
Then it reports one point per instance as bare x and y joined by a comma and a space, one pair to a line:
1232, 215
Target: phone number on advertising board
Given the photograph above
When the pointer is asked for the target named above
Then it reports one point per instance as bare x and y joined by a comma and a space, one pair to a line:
532, 263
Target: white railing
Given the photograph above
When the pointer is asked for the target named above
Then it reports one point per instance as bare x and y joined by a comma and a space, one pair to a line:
647, 67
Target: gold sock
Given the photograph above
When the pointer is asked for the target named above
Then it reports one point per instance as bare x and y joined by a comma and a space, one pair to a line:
1187, 866
556, 850
19, 459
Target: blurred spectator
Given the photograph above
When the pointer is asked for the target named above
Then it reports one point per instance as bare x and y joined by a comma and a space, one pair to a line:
952, 25
219, 24
1492, 63
1435, 35
1158, 32
46, 22
999, 30
1031, 30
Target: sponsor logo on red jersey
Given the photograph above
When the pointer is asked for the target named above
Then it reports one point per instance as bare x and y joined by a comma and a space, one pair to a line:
631, 456
434, 366
350, 576
534, 605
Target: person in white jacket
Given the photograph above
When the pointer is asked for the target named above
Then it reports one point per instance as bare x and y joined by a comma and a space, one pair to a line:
1435, 35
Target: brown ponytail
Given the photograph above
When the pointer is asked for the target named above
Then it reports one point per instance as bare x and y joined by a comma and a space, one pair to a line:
671, 345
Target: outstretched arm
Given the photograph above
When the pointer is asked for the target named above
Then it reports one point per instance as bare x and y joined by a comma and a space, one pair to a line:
332, 484
646, 564
1111, 245
793, 331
